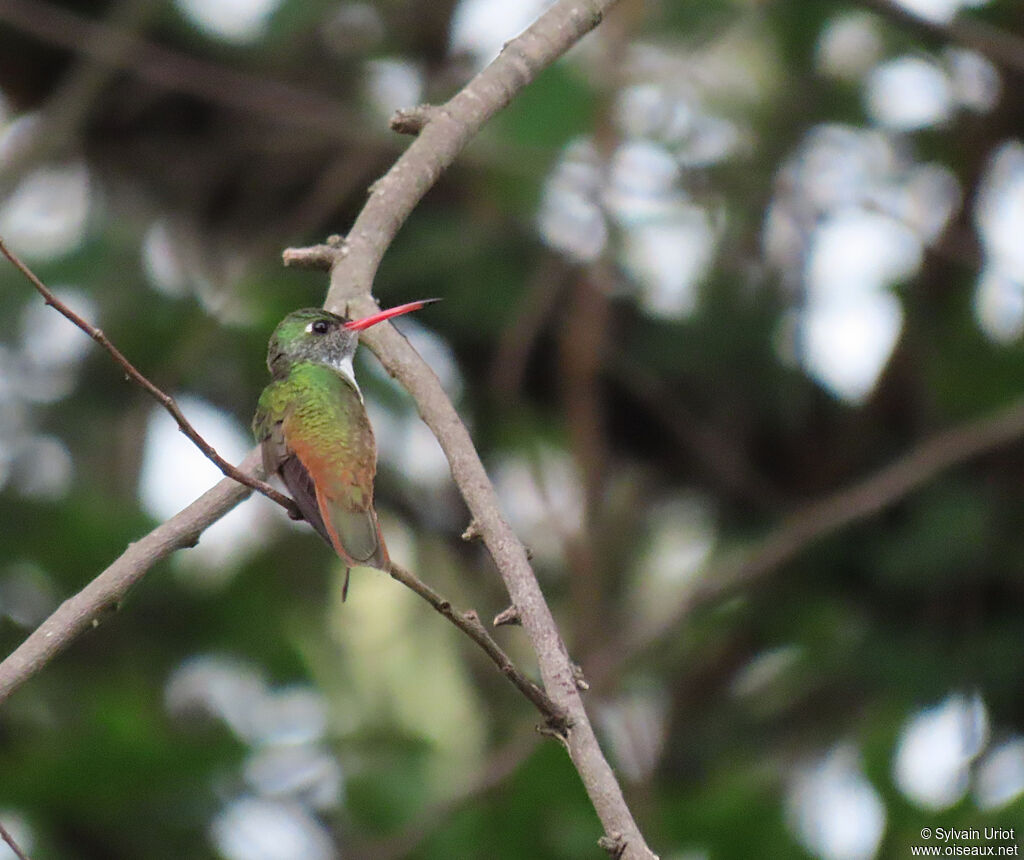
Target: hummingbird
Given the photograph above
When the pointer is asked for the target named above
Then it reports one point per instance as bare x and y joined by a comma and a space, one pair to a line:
314, 432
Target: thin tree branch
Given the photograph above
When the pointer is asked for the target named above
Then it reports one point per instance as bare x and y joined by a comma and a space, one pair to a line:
713, 452
583, 334
519, 338
12, 844
1002, 48
106, 591
469, 623
443, 133
824, 517
278, 102
157, 394
71, 102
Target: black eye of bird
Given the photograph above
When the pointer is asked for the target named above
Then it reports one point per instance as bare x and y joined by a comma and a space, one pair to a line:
321, 327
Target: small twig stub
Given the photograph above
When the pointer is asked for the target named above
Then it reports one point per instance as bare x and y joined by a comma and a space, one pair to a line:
411, 120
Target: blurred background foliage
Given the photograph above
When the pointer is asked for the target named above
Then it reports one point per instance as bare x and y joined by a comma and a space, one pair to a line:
725, 259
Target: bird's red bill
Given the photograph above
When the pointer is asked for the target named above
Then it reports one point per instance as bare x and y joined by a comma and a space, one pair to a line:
380, 316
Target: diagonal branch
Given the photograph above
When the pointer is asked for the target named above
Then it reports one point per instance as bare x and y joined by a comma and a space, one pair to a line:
70, 104
118, 47
1001, 47
85, 609
556, 668
469, 623
21, 855
156, 393
442, 134
824, 517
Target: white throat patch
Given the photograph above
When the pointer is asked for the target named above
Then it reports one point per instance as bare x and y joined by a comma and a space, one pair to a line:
344, 367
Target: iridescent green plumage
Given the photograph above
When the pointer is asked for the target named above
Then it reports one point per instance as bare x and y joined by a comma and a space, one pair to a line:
316, 416
315, 433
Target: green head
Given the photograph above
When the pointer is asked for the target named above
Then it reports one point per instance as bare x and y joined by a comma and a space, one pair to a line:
311, 335
320, 337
